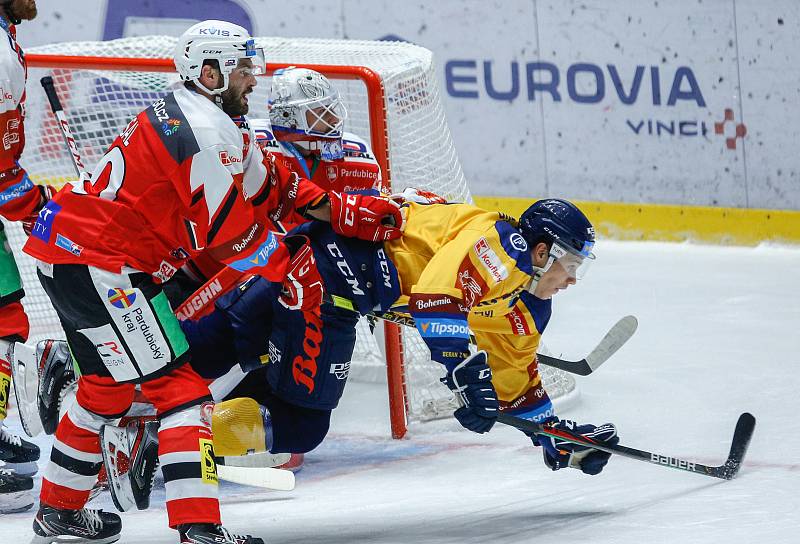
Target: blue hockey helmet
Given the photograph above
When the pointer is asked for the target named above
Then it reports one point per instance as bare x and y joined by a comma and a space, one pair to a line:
565, 228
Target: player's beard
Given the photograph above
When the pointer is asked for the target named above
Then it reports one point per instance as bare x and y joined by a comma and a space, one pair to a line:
24, 10
233, 102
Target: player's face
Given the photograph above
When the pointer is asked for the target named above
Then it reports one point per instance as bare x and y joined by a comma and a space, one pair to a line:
242, 81
557, 278
24, 9
322, 120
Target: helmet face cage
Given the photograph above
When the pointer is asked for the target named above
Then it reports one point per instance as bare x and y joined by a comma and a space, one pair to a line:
304, 106
221, 41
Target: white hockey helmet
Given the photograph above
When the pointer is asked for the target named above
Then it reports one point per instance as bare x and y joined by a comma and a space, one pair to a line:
306, 109
224, 42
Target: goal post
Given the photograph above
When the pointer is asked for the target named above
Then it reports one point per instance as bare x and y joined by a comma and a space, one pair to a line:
392, 96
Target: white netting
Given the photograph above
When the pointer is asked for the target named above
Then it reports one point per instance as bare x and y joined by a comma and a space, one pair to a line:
99, 103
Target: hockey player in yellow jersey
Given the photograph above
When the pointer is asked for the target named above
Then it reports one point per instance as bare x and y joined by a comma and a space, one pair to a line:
458, 271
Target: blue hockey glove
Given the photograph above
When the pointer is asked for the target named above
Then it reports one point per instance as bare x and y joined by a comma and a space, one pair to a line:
471, 380
559, 454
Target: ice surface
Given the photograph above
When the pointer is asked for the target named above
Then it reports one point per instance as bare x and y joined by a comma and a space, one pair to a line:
718, 335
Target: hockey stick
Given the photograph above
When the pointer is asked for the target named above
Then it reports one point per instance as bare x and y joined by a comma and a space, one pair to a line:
24, 368
614, 339
58, 111
240, 471
726, 471
265, 477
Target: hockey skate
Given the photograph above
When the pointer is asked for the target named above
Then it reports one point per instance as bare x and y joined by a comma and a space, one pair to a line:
15, 492
82, 526
130, 457
18, 455
42, 378
56, 378
207, 533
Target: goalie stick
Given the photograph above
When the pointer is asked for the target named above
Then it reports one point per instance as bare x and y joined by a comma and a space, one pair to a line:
726, 471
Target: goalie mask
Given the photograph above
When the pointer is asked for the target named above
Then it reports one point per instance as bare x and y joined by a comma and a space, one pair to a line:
224, 42
305, 109
565, 229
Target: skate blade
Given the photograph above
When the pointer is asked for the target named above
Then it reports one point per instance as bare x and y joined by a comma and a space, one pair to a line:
23, 469
12, 503
64, 539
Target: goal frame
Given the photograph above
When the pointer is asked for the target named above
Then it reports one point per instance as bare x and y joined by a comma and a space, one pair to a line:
379, 134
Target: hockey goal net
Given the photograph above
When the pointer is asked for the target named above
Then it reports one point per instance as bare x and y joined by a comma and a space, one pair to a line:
392, 98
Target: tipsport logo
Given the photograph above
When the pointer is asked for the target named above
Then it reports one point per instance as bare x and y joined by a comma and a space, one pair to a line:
452, 328
121, 298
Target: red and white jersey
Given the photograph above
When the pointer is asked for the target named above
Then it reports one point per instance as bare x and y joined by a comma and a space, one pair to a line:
357, 170
178, 181
18, 195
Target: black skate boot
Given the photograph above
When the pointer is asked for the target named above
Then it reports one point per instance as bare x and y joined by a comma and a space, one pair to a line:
130, 458
18, 454
15, 492
56, 377
75, 526
208, 533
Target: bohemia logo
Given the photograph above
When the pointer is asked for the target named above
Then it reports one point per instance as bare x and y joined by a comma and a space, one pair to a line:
121, 298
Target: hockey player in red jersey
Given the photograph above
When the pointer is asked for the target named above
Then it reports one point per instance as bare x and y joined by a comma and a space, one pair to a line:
20, 200
178, 181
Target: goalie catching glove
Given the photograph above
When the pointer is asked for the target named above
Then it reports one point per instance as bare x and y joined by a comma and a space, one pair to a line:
471, 381
559, 453
365, 217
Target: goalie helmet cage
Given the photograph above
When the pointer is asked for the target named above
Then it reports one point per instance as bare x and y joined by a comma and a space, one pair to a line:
392, 97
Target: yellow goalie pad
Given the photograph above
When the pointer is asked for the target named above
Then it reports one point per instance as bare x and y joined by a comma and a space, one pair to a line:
238, 427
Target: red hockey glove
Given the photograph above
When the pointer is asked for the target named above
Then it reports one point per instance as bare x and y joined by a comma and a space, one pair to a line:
303, 288
366, 217
47, 192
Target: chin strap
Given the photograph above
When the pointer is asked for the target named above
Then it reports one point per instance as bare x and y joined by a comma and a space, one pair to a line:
539, 272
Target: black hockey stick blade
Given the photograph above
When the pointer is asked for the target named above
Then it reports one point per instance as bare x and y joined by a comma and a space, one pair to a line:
741, 441
614, 339
726, 471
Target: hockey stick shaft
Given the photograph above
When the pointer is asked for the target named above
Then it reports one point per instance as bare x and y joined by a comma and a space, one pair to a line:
267, 478
614, 339
55, 104
741, 440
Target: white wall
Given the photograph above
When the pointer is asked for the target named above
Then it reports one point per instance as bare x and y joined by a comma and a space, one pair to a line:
573, 139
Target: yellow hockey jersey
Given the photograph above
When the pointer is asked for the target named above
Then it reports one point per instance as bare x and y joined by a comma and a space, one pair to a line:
465, 269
